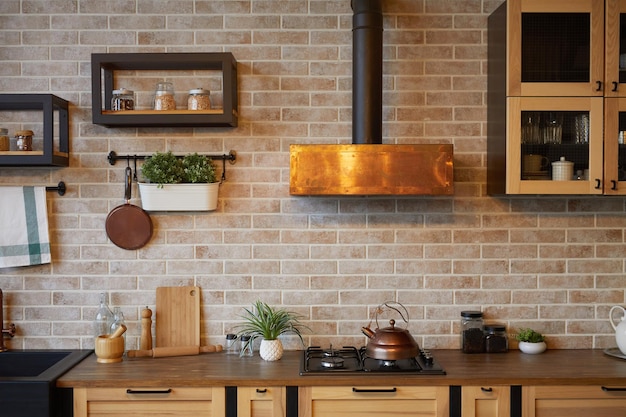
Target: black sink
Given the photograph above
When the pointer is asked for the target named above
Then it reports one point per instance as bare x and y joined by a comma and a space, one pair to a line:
28, 382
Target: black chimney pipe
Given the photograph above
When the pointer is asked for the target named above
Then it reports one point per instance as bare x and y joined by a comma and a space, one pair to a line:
367, 72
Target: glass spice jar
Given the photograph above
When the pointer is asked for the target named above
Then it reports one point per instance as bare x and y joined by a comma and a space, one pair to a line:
164, 96
123, 99
472, 332
5, 145
199, 99
495, 338
24, 140
245, 346
231, 344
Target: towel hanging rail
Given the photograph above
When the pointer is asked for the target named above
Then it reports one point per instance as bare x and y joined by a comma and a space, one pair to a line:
60, 188
231, 157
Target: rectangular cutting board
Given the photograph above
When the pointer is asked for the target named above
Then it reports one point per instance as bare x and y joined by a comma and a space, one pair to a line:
177, 321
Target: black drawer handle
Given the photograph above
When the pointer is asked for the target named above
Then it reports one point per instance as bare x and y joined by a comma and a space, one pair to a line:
483, 389
609, 389
261, 390
374, 390
146, 392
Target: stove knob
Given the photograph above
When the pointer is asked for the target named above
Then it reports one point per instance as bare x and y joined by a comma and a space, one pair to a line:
429, 360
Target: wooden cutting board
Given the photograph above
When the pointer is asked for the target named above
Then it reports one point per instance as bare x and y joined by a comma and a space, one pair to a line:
177, 321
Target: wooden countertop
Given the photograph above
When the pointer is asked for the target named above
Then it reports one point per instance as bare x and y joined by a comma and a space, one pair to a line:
554, 367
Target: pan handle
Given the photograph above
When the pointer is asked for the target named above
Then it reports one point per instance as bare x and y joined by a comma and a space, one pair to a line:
128, 182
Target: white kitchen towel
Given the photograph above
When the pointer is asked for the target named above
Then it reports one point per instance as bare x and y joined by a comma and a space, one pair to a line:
24, 237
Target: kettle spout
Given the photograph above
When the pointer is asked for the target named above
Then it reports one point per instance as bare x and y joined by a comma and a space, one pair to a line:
367, 332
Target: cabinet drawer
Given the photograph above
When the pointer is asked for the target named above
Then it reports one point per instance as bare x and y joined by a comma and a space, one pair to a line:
574, 401
261, 401
149, 402
365, 400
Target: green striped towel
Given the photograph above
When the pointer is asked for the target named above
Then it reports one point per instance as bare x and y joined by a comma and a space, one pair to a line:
24, 237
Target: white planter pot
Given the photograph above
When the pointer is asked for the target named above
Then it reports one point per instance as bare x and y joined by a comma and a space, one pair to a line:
271, 350
532, 348
179, 197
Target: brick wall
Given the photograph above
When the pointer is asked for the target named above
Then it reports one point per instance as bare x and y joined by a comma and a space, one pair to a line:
552, 263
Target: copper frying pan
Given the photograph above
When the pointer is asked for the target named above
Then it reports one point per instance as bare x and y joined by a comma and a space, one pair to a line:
128, 226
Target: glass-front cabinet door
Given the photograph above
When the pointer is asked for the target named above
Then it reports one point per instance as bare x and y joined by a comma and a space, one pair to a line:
556, 48
614, 182
615, 48
555, 145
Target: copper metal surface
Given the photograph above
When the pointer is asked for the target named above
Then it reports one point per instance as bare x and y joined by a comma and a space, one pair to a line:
371, 169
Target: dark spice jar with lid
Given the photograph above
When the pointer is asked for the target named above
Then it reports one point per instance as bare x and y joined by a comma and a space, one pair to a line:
496, 340
472, 335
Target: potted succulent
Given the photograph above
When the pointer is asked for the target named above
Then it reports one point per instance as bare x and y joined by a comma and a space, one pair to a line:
178, 184
269, 323
531, 341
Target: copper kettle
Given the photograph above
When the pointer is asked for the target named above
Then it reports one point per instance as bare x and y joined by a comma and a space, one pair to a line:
390, 343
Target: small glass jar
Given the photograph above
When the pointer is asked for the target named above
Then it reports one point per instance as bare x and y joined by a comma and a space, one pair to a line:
245, 346
231, 344
123, 99
5, 145
495, 338
472, 336
24, 140
199, 99
164, 96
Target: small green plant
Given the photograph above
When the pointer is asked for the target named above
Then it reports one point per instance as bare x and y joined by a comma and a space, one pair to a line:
166, 168
269, 323
198, 169
529, 335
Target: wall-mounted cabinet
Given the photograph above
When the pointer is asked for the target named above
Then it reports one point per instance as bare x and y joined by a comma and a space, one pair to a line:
47, 116
140, 72
555, 82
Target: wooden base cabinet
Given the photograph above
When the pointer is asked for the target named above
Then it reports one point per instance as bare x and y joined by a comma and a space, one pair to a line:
491, 401
373, 401
261, 402
149, 402
573, 401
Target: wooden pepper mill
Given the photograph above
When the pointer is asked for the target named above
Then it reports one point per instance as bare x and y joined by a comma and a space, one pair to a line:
146, 329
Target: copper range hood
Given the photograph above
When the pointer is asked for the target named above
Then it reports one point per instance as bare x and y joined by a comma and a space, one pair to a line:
367, 166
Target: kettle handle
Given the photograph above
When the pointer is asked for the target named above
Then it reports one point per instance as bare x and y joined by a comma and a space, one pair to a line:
611, 315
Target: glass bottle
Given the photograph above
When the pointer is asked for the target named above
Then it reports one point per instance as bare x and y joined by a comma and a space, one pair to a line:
245, 346
473, 340
118, 320
231, 344
104, 318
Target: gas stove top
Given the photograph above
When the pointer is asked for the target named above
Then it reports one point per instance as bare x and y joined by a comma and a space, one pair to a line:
349, 360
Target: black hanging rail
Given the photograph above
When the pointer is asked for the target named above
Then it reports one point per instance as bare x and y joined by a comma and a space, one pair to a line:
60, 188
231, 157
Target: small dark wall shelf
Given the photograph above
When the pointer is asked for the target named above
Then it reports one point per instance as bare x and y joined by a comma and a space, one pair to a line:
50, 106
104, 66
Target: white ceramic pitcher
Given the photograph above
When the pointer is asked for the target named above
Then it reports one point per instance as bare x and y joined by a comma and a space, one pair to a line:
620, 329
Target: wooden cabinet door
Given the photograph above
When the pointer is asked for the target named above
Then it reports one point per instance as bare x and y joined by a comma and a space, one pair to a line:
555, 48
586, 156
373, 401
261, 402
491, 401
573, 401
150, 402
615, 45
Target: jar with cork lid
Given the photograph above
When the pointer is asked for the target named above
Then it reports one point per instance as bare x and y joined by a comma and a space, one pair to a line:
24, 140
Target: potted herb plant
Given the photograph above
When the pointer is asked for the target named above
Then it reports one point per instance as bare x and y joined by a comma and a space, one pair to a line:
269, 323
531, 341
178, 184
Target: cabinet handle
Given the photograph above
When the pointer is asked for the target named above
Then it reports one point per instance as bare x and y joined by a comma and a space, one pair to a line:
599, 83
261, 390
394, 389
613, 185
483, 389
609, 389
142, 392
598, 183
615, 85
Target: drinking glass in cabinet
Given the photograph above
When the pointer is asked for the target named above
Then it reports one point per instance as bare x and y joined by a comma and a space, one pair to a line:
552, 129
581, 129
531, 127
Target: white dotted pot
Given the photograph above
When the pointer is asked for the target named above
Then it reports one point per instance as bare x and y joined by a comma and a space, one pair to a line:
271, 350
